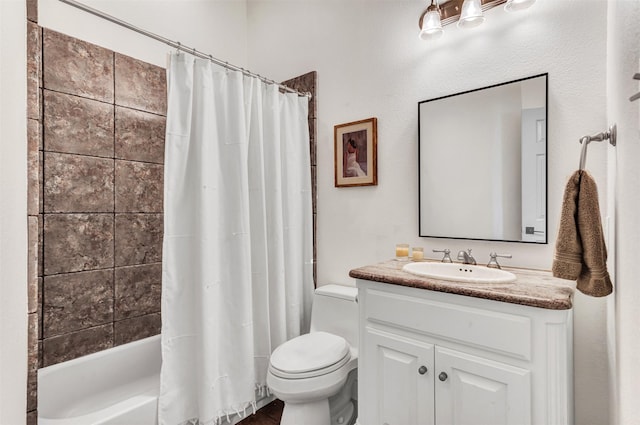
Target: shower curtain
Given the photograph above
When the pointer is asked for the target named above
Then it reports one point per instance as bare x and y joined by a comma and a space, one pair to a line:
237, 275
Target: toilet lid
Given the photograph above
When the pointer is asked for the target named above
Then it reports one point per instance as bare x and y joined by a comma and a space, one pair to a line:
310, 352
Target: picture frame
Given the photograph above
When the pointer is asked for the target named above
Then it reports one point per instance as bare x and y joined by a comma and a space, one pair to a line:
355, 153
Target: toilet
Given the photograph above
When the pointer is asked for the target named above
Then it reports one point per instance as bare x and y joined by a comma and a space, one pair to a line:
315, 374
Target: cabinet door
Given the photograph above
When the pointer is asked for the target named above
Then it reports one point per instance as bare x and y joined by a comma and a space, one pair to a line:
396, 380
477, 391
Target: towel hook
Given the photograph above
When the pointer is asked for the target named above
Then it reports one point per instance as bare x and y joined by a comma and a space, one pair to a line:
610, 135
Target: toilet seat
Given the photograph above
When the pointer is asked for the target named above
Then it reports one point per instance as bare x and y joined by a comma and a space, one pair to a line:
309, 355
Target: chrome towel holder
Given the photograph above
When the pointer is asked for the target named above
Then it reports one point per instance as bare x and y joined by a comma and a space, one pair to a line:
610, 135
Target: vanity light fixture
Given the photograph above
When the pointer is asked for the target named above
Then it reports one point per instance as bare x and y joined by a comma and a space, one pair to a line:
431, 26
467, 14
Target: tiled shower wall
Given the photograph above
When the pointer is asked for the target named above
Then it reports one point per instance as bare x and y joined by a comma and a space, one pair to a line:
103, 148
96, 123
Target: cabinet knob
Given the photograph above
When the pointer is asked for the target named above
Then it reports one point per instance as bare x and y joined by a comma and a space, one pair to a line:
422, 370
443, 376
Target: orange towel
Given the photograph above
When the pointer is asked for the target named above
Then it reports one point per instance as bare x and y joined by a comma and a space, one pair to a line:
581, 253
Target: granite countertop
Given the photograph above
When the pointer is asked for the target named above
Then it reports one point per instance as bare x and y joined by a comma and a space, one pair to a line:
532, 288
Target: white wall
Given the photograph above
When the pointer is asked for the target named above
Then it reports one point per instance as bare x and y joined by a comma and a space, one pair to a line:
623, 61
13, 212
370, 62
216, 27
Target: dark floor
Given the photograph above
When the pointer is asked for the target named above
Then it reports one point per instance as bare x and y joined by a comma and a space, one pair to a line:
268, 415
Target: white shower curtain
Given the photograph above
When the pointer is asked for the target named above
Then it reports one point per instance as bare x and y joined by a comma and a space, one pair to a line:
237, 255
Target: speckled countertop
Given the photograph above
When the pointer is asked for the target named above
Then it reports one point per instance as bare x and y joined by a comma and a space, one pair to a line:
532, 288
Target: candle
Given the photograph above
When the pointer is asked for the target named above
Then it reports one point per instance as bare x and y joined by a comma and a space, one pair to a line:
402, 251
417, 253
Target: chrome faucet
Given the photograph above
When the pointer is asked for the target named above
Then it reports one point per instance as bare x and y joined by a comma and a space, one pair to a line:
466, 257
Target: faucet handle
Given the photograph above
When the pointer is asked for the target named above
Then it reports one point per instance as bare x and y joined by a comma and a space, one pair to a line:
446, 258
493, 260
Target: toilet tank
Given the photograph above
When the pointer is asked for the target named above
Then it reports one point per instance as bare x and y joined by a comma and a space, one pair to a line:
335, 310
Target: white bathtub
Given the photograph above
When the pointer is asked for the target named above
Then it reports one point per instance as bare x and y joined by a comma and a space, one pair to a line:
118, 386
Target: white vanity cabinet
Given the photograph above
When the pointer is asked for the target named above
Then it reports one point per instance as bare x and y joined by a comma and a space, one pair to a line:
434, 358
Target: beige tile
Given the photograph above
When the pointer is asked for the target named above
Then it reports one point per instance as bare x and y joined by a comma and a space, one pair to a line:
75, 124
140, 85
77, 242
75, 301
77, 183
77, 67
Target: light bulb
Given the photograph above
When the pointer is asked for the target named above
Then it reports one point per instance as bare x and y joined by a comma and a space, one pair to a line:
471, 15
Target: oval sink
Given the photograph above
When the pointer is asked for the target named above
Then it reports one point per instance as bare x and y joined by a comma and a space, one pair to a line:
460, 272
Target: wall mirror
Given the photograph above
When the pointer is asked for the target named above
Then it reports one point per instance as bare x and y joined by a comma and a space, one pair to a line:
483, 163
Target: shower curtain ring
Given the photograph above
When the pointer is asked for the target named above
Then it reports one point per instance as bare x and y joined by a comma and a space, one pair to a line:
178, 49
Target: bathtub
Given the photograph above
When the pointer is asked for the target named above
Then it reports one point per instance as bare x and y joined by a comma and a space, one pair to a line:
118, 386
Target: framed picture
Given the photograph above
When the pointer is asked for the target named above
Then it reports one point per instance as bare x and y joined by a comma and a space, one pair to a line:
355, 148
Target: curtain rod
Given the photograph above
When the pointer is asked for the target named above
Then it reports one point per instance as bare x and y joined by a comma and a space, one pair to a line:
178, 45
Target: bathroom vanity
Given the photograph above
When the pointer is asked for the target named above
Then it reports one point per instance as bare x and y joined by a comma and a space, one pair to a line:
436, 352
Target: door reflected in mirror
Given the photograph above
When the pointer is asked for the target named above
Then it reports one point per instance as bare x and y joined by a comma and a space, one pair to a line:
483, 163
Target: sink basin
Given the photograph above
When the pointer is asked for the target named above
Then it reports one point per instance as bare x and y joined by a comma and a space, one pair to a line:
460, 272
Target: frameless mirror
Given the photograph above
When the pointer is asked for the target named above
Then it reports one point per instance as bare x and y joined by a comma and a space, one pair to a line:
483, 163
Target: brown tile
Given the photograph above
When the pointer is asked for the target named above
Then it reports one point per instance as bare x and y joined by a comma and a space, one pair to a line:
76, 67
34, 69
32, 363
40, 313
41, 182
32, 264
75, 124
40, 244
77, 242
32, 417
76, 344
138, 239
129, 330
40, 345
140, 85
139, 135
77, 183
33, 167
32, 10
313, 146
75, 301
314, 185
32, 344
139, 187
138, 290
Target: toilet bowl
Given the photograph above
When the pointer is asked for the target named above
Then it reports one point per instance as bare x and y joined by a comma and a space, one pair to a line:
315, 374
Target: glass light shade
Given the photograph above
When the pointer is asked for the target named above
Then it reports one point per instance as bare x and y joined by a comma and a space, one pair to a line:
431, 26
471, 15
515, 5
